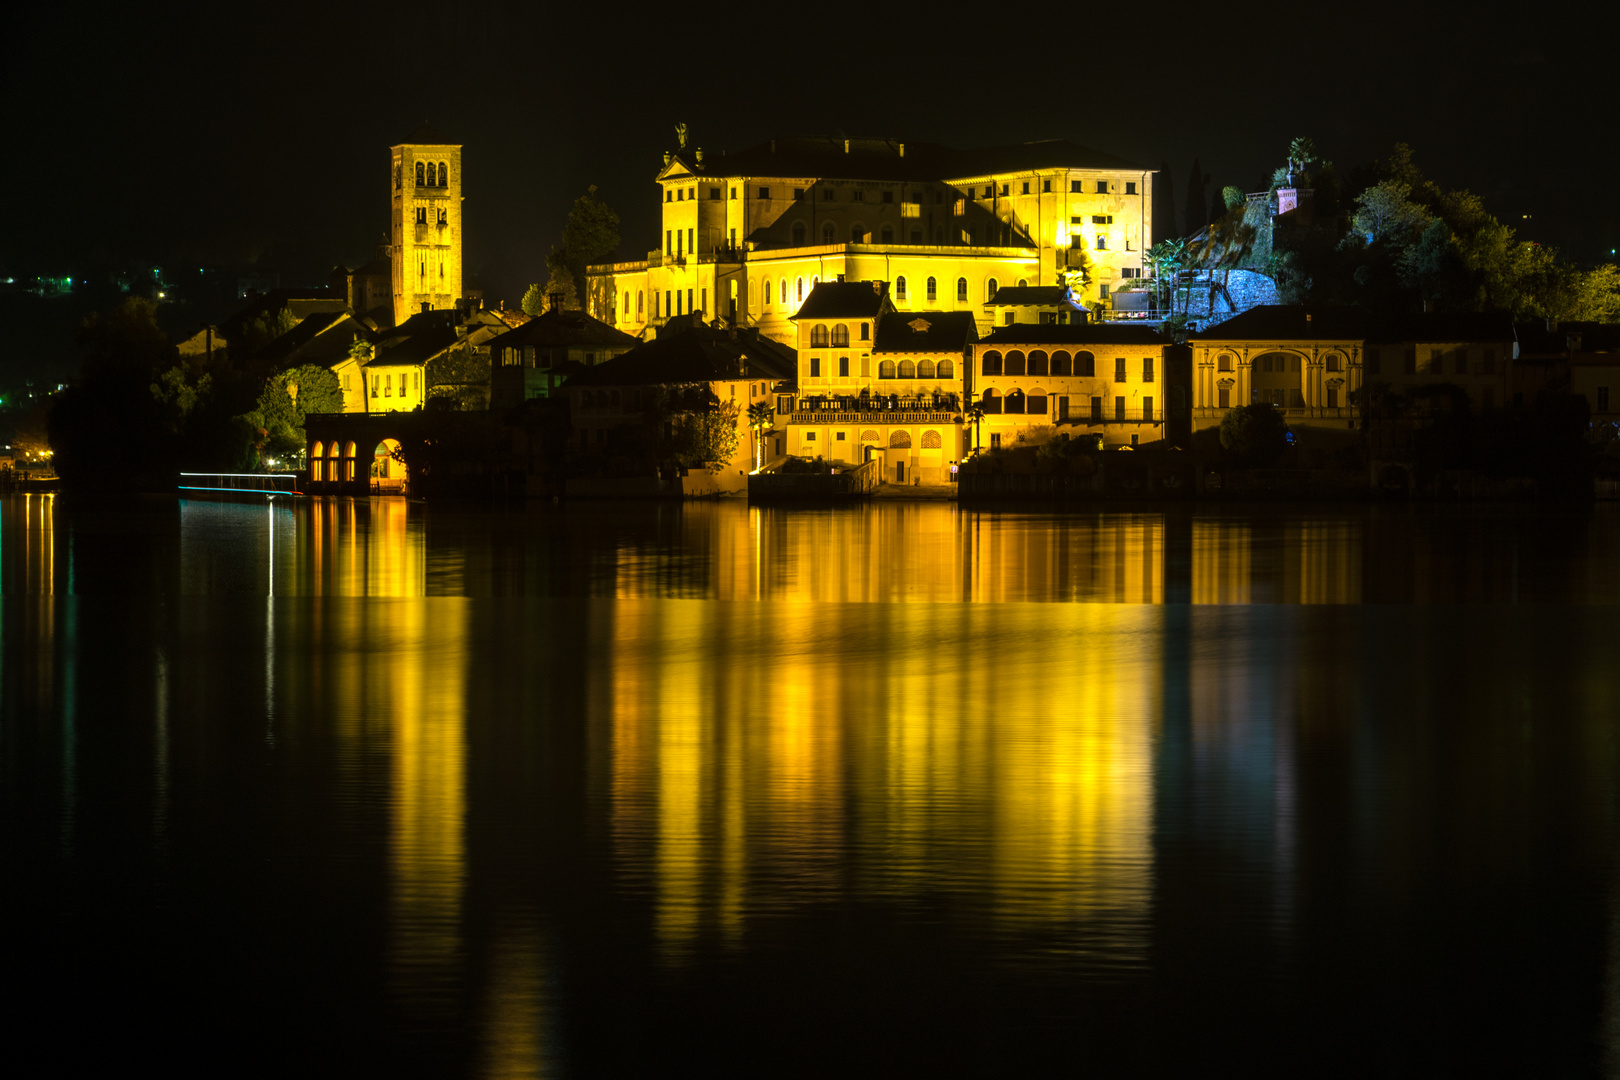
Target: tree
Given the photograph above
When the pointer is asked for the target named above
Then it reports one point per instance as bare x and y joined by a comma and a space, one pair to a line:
560, 291
709, 437
590, 235
1386, 212
1255, 435
760, 418
287, 398
534, 301
974, 415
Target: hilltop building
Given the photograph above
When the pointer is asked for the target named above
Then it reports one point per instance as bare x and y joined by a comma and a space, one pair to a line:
747, 236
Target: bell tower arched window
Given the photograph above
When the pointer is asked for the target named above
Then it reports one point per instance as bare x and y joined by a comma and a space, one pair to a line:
444, 175
419, 168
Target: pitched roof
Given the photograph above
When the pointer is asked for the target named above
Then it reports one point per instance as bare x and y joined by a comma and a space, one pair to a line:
417, 340
690, 356
1283, 322
557, 327
1443, 326
1032, 296
866, 158
426, 135
1073, 333
925, 331
842, 300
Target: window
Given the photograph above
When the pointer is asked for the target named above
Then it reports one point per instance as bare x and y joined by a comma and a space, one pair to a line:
1102, 291
782, 286
866, 331
1333, 397
1224, 397
639, 309
1102, 219
840, 336
680, 194
908, 370
1038, 363
1046, 186
916, 235
444, 175
815, 367
798, 289
691, 245
857, 234
1147, 369
419, 168
828, 233
1119, 408
1035, 404
1026, 188
679, 245
1130, 187
843, 367
1061, 363
888, 196
809, 436
1085, 364
1015, 363
989, 192
1119, 369
1102, 245
900, 288
857, 195
1076, 187
961, 290
1335, 362
826, 194
1102, 187
933, 290
1015, 403
798, 194
946, 370
990, 288
818, 337
1007, 319
992, 363
669, 195
925, 369
888, 234
1147, 408
1096, 410
733, 191
1223, 362
841, 436
669, 242
764, 192
960, 208
886, 369
714, 194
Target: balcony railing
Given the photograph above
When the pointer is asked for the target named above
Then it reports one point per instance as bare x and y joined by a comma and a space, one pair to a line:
880, 408
1050, 415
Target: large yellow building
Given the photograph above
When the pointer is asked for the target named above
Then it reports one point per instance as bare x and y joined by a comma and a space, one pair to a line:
426, 223
747, 236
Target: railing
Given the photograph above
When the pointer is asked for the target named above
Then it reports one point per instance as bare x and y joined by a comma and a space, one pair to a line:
877, 403
1050, 415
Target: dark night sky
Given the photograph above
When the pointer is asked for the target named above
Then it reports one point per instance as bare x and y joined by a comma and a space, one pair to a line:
231, 133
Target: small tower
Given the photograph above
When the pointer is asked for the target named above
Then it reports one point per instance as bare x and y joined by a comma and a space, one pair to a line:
426, 222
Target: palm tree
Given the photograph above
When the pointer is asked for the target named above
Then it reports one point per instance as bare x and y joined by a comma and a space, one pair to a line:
972, 415
760, 416
1224, 244
1169, 257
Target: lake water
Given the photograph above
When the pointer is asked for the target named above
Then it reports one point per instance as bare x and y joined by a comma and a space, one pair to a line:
379, 788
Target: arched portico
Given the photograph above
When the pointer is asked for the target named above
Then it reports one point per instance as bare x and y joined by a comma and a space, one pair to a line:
344, 453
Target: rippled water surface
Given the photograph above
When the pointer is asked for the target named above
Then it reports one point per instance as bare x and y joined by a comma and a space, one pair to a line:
379, 788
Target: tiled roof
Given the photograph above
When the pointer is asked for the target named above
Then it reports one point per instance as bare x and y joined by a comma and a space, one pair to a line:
925, 331
557, 327
1032, 296
1282, 322
842, 300
690, 356
835, 157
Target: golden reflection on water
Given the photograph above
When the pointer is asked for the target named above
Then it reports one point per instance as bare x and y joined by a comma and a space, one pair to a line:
516, 1016
762, 762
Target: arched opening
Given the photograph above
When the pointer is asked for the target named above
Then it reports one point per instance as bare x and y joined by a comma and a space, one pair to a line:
818, 337
840, 336
1015, 402
444, 175
317, 463
348, 460
900, 287
908, 370
947, 370
1060, 363
991, 403
1037, 363
388, 473
886, 369
1015, 363
432, 175
1085, 363
828, 233
900, 440
857, 234
1035, 403
992, 363
334, 463
888, 234
1277, 379
925, 369
933, 290
961, 290
990, 288
419, 168
931, 440
798, 290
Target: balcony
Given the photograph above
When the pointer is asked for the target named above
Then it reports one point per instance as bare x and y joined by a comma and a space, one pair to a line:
875, 409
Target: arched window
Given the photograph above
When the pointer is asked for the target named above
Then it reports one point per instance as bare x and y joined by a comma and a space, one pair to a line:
840, 336
991, 403
444, 175
1085, 364
1037, 363
1016, 402
916, 235
640, 296
798, 234
931, 440
798, 290
1060, 363
818, 337
419, 168
961, 290
783, 287
869, 436
900, 288
1036, 402
933, 290
765, 293
1015, 363
992, 363
317, 466
947, 370
857, 234
432, 175
828, 233
1335, 362
1224, 362
908, 370
900, 440
990, 288
888, 234
925, 369
886, 369
1023, 283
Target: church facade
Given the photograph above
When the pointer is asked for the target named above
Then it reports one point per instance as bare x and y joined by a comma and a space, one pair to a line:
748, 236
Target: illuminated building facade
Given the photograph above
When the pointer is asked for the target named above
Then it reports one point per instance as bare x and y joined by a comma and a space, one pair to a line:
1106, 379
748, 236
875, 382
426, 223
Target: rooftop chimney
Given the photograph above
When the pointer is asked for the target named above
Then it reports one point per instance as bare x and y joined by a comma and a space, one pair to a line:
902, 149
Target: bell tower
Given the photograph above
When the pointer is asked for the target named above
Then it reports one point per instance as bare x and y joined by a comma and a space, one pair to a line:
426, 222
